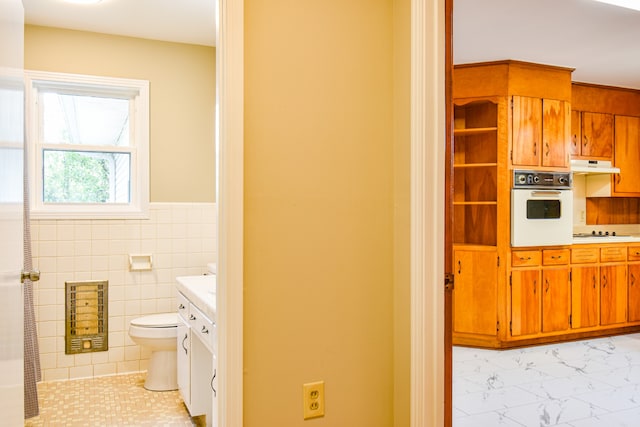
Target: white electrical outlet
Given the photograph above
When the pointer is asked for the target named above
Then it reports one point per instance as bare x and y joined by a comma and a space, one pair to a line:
313, 399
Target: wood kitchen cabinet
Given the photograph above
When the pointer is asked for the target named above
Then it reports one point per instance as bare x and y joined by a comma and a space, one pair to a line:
633, 256
591, 135
634, 293
540, 297
556, 302
613, 285
525, 302
613, 294
627, 156
585, 288
540, 300
541, 132
585, 296
475, 292
486, 308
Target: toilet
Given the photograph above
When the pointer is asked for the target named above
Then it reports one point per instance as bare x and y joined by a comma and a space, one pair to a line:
158, 332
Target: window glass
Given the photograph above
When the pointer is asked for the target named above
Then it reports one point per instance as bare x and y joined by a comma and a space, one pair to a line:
85, 120
86, 177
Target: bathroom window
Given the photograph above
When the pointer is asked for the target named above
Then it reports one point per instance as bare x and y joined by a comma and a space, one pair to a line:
89, 141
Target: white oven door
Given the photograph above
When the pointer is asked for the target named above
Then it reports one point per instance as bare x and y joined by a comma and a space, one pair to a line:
541, 217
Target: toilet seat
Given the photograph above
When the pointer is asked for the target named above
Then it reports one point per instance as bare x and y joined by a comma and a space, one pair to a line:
162, 320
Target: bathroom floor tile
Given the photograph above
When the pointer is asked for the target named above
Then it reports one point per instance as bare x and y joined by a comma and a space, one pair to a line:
119, 400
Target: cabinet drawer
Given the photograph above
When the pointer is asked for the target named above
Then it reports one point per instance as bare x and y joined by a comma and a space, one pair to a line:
555, 256
205, 329
183, 306
585, 255
633, 253
525, 258
611, 254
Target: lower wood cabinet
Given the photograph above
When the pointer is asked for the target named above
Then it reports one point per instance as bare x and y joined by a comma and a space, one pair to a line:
550, 294
634, 293
613, 294
525, 302
556, 299
585, 296
475, 292
540, 300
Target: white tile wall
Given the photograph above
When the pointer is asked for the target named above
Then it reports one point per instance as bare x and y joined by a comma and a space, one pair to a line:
181, 237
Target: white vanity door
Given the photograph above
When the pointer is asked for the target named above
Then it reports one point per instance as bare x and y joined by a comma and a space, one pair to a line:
184, 360
214, 388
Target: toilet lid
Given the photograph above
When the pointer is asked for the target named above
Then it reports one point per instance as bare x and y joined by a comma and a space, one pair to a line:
163, 320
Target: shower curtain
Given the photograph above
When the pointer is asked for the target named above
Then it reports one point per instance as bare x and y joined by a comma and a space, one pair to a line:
32, 373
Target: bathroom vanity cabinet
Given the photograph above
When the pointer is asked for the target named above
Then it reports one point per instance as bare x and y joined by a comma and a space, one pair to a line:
197, 346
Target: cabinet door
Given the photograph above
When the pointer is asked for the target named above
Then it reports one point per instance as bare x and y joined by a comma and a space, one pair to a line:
527, 131
475, 292
584, 297
597, 135
634, 292
214, 390
184, 360
556, 133
576, 132
525, 302
555, 299
627, 156
613, 294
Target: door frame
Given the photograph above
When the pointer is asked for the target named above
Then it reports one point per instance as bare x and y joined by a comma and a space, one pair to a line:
428, 153
230, 195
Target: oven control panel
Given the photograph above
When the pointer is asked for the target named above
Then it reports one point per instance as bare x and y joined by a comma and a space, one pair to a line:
540, 179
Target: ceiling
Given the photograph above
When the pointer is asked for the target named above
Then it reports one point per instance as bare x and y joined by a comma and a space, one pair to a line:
601, 41
182, 21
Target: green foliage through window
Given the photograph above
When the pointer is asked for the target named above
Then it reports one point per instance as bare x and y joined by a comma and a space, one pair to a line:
76, 177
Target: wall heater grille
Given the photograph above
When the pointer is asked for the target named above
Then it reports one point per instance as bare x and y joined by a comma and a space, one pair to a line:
86, 316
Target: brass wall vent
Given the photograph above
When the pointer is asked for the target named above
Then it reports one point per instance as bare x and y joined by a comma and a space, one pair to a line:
86, 322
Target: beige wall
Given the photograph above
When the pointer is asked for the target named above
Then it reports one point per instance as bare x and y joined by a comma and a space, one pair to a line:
182, 99
319, 211
402, 214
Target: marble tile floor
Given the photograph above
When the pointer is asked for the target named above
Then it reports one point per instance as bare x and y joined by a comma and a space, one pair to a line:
588, 383
119, 400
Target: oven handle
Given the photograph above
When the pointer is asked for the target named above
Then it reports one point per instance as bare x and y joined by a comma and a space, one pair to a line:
545, 193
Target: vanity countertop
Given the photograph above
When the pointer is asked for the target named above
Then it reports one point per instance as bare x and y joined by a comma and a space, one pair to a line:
201, 291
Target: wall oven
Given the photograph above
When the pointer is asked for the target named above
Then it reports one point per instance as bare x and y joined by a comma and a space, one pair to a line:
541, 208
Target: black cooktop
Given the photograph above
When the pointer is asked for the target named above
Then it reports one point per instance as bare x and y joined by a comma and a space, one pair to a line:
600, 234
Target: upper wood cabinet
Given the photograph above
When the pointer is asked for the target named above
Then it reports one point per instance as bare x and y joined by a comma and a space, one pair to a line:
627, 156
591, 135
541, 132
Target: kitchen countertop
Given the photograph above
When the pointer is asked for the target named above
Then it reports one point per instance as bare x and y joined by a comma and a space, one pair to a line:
201, 291
607, 239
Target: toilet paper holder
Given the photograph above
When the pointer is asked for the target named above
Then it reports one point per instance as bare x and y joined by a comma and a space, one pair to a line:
139, 262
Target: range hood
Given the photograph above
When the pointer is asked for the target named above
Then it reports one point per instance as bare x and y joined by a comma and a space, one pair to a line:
593, 167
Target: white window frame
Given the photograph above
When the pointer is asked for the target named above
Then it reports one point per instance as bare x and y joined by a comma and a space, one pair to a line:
138, 90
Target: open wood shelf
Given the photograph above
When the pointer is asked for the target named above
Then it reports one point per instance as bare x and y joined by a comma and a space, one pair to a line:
473, 131
475, 182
